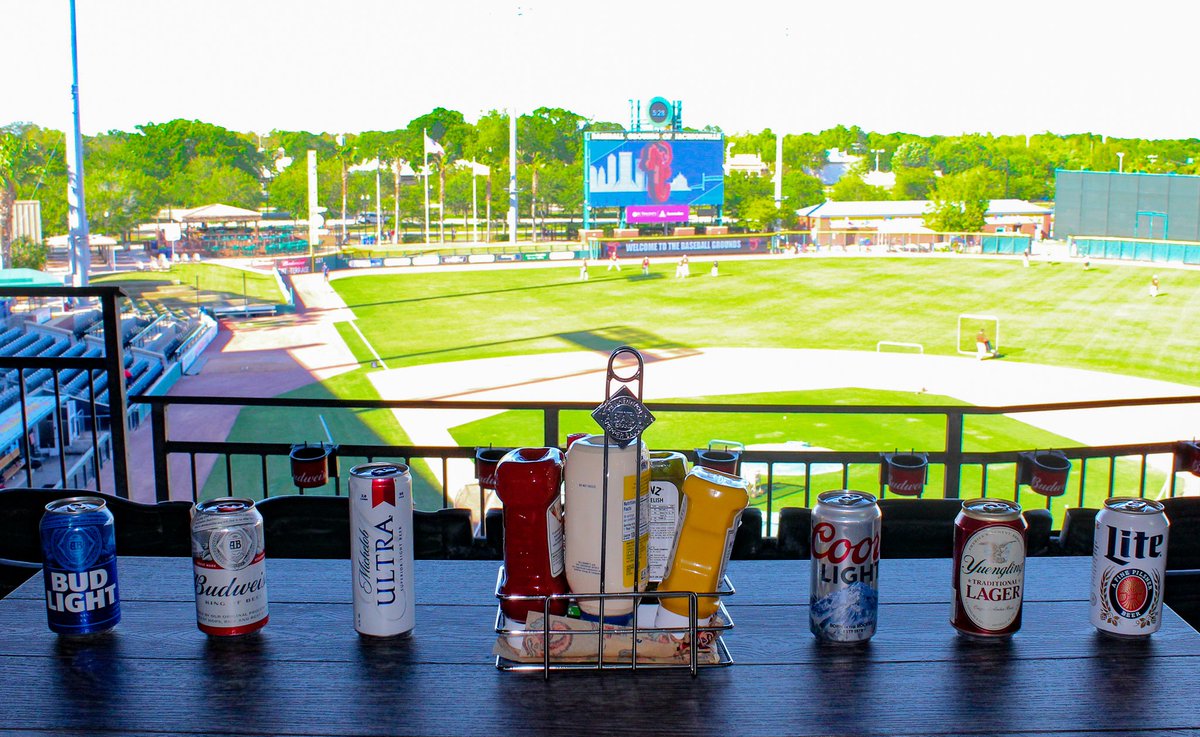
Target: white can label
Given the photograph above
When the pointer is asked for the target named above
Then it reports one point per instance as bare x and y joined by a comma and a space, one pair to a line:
991, 576
554, 537
664, 518
228, 598
382, 548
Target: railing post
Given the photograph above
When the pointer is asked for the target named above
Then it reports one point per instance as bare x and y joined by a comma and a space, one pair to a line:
952, 470
114, 355
158, 430
550, 427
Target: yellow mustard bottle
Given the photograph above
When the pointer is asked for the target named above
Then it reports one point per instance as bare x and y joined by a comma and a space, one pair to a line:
709, 515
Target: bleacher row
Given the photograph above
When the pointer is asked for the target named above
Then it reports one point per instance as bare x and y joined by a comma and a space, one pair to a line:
142, 372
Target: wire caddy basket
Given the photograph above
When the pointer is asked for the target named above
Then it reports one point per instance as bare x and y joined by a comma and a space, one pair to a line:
624, 418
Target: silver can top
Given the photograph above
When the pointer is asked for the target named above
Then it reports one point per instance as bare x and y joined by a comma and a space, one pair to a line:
379, 470
995, 510
846, 499
1133, 505
76, 505
224, 505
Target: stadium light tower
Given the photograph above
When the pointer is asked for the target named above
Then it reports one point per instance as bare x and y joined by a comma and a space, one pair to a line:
877, 151
79, 252
1120, 162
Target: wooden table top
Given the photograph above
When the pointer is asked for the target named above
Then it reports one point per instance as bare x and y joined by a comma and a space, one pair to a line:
308, 672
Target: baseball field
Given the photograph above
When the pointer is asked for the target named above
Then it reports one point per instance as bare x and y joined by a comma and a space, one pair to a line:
1100, 323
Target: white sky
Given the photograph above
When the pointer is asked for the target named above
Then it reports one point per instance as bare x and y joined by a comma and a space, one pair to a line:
921, 66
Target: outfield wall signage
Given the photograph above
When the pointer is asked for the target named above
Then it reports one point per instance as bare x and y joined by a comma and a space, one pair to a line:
628, 169
636, 214
298, 265
638, 249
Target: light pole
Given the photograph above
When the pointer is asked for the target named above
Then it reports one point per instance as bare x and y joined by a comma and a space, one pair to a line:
1120, 162
1153, 159
877, 151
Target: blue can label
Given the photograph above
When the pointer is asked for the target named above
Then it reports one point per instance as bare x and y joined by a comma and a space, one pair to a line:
80, 576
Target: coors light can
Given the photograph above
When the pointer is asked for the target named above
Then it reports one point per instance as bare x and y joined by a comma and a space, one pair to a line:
844, 603
229, 565
1129, 564
381, 544
989, 568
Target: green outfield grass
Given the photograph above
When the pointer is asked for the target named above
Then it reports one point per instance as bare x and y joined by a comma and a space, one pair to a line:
218, 285
1056, 314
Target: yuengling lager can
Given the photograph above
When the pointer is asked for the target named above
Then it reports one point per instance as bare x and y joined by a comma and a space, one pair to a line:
989, 568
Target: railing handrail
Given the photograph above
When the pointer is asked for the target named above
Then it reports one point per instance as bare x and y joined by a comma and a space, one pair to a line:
866, 409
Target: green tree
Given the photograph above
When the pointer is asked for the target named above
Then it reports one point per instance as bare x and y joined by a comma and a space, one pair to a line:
25, 254
913, 183
959, 202
852, 188
206, 179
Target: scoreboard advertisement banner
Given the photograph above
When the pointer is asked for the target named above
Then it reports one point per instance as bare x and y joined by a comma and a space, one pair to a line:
651, 169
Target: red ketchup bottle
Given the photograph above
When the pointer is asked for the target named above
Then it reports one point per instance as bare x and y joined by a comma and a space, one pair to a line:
528, 482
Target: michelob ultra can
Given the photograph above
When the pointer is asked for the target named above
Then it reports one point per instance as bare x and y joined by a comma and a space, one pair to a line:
844, 602
381, 546
989, 568
229, 566
79, 546
1129, 566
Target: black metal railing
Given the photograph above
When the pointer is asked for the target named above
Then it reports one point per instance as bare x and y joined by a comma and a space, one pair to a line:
108, 439
1133, 460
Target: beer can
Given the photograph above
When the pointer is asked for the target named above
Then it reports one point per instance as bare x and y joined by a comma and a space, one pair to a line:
668, 469
1129, 566
989, 568
79, 547
381, 544
844, 599
229, 566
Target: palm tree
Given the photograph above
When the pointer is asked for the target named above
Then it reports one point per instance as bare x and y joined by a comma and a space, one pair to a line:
345, 150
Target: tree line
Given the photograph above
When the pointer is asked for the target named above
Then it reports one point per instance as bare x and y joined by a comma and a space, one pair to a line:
130, 176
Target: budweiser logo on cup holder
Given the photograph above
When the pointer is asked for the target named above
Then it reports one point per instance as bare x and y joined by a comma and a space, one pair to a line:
905, 474
1045, 471
310, 465
1187, 456
486, 460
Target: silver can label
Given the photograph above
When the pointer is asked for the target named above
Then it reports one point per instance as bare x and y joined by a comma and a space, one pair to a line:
991, 577
381, 523
229, 568
844, 602
1128, 567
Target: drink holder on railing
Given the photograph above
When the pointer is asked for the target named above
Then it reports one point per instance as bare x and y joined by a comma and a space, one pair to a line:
624, 418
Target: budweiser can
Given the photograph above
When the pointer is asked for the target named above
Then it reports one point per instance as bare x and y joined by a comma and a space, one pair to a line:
79, 547
381, 542
844, 603
989, 568
229, 565
1129, 564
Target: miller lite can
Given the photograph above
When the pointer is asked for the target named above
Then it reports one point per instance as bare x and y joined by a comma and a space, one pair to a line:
989, 568
381, 546
844, 599
1129, 565
79, 547
229, 567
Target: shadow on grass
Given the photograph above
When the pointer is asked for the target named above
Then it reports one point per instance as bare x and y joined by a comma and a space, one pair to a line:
600, 340
505, 290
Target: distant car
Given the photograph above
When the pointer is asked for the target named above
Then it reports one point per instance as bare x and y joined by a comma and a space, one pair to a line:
368, 218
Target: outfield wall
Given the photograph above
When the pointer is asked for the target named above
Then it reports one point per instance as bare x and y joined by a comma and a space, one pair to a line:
1137, 249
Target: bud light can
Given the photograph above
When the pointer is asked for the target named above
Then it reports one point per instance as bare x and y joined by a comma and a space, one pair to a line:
229, 566
989, 568
79, 545
381, 544
1129, 565
844, 603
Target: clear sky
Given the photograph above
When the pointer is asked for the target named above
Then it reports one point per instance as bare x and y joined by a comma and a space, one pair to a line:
921, 66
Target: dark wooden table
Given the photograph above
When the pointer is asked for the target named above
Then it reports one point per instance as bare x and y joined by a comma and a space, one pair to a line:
308, 673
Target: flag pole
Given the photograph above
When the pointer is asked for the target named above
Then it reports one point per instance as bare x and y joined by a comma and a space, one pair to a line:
425, 171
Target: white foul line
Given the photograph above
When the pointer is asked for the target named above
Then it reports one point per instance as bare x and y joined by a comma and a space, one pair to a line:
367, 343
